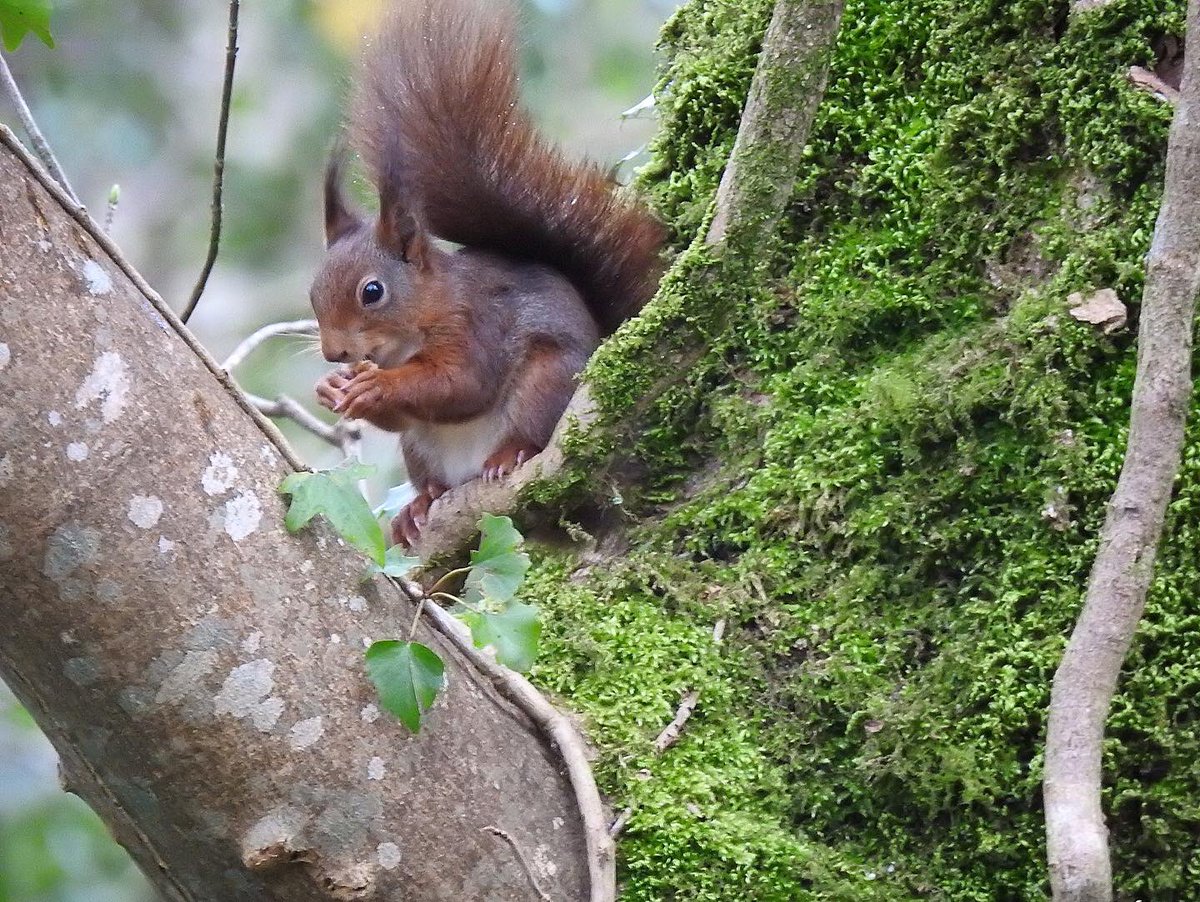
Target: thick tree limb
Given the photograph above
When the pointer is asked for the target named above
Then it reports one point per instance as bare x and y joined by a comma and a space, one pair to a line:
199, 670
1077, 839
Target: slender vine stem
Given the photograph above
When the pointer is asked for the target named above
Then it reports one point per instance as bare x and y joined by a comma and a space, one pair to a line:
214, 240
433, 590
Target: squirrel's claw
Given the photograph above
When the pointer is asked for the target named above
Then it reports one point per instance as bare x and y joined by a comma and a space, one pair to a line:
407, 525
505, 460
365, 393
330, 388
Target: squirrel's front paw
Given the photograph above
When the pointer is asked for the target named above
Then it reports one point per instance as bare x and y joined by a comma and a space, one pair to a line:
331, 388
365, 395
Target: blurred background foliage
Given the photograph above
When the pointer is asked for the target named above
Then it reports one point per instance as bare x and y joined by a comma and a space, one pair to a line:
130, 96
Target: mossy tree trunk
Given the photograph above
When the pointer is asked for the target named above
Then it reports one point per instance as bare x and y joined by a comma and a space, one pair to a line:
878, 446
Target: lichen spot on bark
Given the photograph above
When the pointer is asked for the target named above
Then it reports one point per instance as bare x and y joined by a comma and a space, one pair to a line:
5, 355
376, 768
144, 511
388, 854
218, 477
108, 384
306, 733
272, 839
98, 281
246, 688
71, 546
243, 513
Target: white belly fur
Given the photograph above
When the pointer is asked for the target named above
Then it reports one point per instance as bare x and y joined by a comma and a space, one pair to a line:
456, 451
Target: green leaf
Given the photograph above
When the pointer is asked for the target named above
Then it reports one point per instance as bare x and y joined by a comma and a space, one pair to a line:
335, 495
408, 676
498, 567
513, 632
18, 17
396, 562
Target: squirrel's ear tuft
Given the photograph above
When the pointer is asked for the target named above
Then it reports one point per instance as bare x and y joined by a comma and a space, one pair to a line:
399, 232
340, 219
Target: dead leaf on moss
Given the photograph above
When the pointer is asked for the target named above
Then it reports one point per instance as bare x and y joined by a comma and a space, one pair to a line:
1103, 309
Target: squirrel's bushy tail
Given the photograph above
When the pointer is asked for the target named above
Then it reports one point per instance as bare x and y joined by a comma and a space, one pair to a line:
436, 116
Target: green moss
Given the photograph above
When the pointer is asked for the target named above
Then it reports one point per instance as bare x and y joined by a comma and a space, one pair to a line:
886, 469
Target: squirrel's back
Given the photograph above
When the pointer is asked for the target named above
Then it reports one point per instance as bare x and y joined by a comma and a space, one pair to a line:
436, 113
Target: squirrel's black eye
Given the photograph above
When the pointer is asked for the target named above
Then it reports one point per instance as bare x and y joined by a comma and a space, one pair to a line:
371, 292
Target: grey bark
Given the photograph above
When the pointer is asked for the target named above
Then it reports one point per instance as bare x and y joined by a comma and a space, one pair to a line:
1077, 839
198, 669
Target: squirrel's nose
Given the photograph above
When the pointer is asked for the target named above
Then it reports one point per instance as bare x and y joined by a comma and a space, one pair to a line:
336, 356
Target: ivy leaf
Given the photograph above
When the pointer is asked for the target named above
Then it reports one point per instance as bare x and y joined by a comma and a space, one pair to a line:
396, 563
18, 17
513, 632
498, 567
335, 494
408, 677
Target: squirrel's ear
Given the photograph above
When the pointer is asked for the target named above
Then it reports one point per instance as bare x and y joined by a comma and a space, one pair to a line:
340, 220
399, 232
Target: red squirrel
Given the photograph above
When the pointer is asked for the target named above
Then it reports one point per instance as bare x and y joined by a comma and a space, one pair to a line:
470, 355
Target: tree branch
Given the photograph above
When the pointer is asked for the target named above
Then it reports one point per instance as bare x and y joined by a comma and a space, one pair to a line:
212, 704
40, 145
1076, 836
214, 240
249, 344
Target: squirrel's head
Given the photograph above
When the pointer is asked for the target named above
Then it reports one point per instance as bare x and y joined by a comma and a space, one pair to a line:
377, 278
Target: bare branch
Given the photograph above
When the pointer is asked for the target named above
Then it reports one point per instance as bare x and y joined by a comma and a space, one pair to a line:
214, 241
344, 435
1076, 835
789, 82
40, 146
250, 343
97, 234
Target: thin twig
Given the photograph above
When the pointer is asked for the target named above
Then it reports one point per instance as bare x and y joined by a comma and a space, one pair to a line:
249, 344
214, 240
619, 824
343, 435
537, 887
9, 85
672, 731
